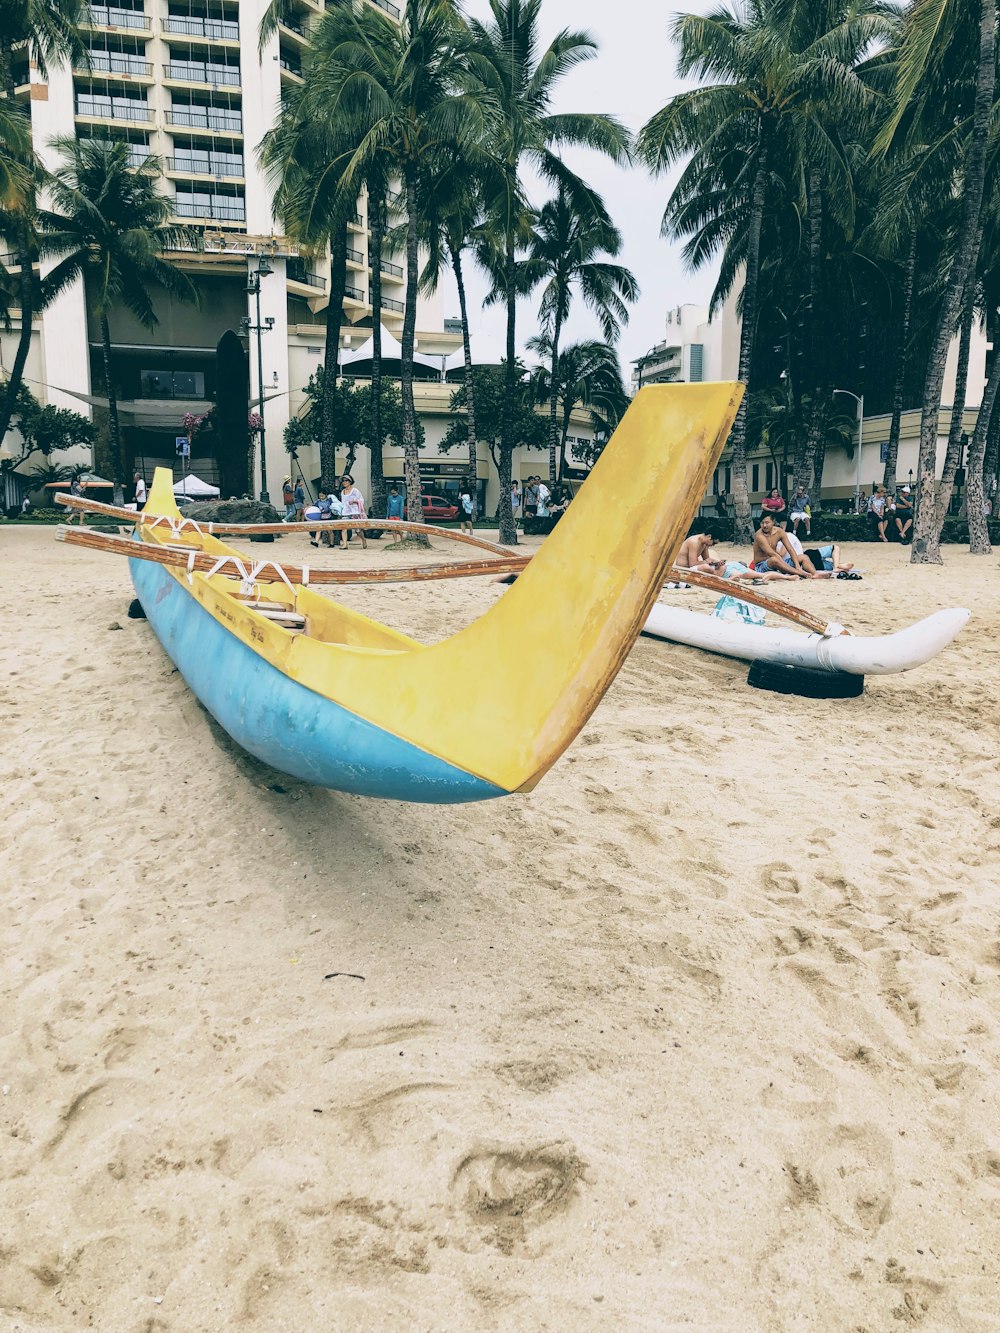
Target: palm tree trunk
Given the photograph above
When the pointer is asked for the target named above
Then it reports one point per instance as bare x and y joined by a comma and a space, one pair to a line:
926, 533
411, 465
738, 436
554, 402
953, 454
331, 358
806, 454
470, 388
975, 493
508, 533
892, 448
26, 284
376, 216
114, 432
991, 465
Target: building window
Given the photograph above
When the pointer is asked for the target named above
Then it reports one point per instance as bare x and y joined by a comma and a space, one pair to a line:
755, 477
697, 362
171, 384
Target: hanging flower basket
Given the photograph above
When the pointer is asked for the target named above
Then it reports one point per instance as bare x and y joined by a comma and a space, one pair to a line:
255, 423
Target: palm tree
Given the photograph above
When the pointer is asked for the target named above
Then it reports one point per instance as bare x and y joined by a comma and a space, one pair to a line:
47, 30
931, 70
394, 88
451, 209
775, 78
566, 250
518, 79
585, 374
307, 154
110, 225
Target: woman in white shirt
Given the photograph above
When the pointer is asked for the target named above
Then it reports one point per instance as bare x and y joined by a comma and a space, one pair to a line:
352, 503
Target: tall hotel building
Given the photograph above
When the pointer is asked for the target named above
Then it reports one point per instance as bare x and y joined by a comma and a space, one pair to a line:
183, 79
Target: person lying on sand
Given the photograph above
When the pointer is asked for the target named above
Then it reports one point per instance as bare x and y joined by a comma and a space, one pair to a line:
789, 544
737, 569
696, 553
767, 557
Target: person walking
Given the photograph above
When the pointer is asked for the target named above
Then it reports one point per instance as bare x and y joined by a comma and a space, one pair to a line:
395, 511
466, 507
288, 500
140, 491
515, 500
353, 505
299, 499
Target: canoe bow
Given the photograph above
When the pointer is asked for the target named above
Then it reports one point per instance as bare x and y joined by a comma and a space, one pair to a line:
502, 698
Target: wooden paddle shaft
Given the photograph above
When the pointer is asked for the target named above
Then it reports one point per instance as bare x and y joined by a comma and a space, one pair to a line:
122, 515
269, 571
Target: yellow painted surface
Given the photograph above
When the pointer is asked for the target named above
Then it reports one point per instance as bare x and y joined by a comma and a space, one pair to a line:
504, 697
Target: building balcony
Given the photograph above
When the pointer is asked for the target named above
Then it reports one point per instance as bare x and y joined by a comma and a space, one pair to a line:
356, 258
295, 30
355, 294
207, 165
291, 72
215, 209
387, 7
196, 71
392, 270
212, 30
211, 120
298, 275
116, 64
356, 223
113, 109
105, 16
390, 303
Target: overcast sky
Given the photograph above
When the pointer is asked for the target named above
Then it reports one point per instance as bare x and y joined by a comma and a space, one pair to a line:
632, 76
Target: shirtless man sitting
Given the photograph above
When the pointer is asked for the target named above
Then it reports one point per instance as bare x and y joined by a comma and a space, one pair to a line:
695, 554
767, 557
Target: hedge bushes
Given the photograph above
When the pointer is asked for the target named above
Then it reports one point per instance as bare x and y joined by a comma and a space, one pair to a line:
848, 528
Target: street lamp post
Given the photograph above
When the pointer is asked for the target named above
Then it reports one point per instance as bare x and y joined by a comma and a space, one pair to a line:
262, 270
860, 400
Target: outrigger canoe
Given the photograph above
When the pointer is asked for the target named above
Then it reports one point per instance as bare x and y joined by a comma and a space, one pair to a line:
329, 696
859, 655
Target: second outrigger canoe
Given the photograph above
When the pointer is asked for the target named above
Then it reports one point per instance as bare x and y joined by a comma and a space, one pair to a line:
858, 655
325, 694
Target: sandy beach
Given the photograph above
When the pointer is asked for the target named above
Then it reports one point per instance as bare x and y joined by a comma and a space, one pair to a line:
702, 1034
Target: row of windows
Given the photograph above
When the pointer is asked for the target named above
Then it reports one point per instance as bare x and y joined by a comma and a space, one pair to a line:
121, 106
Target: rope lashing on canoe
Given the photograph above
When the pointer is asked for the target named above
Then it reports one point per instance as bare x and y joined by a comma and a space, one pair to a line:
176, 526
249, 578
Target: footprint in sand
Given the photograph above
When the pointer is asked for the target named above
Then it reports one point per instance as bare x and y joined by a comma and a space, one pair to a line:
507, 1193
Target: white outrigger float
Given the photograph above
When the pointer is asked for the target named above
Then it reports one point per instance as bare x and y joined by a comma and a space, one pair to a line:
858, 655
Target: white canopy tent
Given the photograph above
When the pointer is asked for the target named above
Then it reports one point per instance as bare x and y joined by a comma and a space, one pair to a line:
195, 489
486, 351
391, 351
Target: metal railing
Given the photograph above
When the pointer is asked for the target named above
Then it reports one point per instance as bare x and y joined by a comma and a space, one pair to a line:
196, 71
206, 118
297, 26
389, 8
391, 303
394, 270
104, 16
297, 274
113, 109
292, 69
205, 165
355, 293
116, 62
355, 255
219, 210
219, 30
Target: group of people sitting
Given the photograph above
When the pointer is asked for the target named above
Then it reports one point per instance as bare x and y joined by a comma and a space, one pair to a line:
797, 511
892, 512
778, 555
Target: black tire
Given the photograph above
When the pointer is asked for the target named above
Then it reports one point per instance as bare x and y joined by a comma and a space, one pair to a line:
135, 611
781, 679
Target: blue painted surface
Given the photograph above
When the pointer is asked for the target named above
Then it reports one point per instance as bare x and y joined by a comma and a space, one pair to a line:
282, 722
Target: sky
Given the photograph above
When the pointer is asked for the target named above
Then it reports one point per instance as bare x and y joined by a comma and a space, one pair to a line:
631, 77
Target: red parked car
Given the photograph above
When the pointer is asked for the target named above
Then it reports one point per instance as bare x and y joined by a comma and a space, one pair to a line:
435, 506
